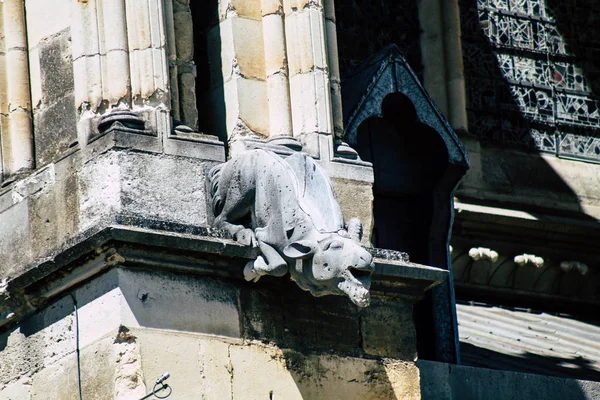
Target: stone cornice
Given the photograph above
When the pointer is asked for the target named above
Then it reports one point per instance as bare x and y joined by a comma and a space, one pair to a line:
176, 248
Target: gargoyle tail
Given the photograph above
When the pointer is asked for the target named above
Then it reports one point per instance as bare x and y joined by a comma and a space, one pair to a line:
214, 176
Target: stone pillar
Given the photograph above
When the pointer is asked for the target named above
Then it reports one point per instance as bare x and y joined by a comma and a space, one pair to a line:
432, 50
334, 70
308, 67
100, 60
15, 97
455, 79
238, 89
115, 73
180, 55
276, 66
147, 42
119, 60
172, 59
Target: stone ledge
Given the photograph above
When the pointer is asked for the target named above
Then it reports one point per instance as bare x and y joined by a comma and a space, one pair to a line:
174, 247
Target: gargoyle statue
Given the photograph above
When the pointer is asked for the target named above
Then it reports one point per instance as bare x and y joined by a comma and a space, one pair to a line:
286, 207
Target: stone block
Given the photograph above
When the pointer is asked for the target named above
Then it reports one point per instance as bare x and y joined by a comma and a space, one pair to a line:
19, 355
311, 103
203, 305
245, 8
260, 372
216, 369
275, 55
240, 107
56, 66
47, 337
46, 19
249, 50
388, 330
297, 5
55, 129
100, 190
51, 225
305, 34
116, 77
177, 353
334, 377
187, 99
184, 35
59, 380
13, 233
35, 77
270, 7
280, 312
252, 103
356, 201
19, 390
164, 188
87, 75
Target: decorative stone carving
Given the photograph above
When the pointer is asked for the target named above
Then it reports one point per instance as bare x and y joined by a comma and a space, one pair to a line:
286, 207
525, 259
482, 253
574, 265
124, 120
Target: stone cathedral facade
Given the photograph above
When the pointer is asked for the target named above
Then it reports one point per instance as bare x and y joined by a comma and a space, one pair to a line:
139, 140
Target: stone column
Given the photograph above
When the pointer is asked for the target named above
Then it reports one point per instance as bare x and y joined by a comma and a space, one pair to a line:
15, 97
455, 79
100, 60
334, 70
115, 73
87, 67
276, 66
432, 50
119, 57
182, 69
308, 67
147, 42
238, 79
172, 59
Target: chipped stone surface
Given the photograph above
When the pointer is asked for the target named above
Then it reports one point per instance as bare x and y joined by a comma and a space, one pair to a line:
253, 370
388, 330
129, 378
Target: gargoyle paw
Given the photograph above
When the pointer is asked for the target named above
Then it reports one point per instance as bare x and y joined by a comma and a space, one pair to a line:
246, 237
255, 269
250, 273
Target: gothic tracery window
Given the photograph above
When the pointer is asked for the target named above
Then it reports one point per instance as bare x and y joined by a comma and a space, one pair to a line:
532, 74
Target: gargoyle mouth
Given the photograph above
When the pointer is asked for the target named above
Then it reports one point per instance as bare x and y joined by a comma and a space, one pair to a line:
356, 285
360, 274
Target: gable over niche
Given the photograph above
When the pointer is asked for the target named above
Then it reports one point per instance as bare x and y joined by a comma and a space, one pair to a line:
418, 162
365, 87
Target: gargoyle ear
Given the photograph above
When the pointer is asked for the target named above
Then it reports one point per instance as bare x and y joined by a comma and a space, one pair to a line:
299, 249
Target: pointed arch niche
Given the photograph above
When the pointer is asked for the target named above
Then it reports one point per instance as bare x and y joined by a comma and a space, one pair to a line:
418, 162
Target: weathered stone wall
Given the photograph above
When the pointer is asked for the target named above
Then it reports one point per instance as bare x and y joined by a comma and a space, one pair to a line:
219, 339
365, 27
51, 75
63, 201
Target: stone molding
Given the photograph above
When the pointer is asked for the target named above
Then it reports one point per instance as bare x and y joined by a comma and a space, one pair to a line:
156, 245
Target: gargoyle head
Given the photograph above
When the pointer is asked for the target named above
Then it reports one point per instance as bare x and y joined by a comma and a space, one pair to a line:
334, 264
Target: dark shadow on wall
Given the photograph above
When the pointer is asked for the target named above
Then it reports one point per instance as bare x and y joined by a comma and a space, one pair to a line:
209, 80
364, 27
577, 367
498, 121
457, 382
514, 173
